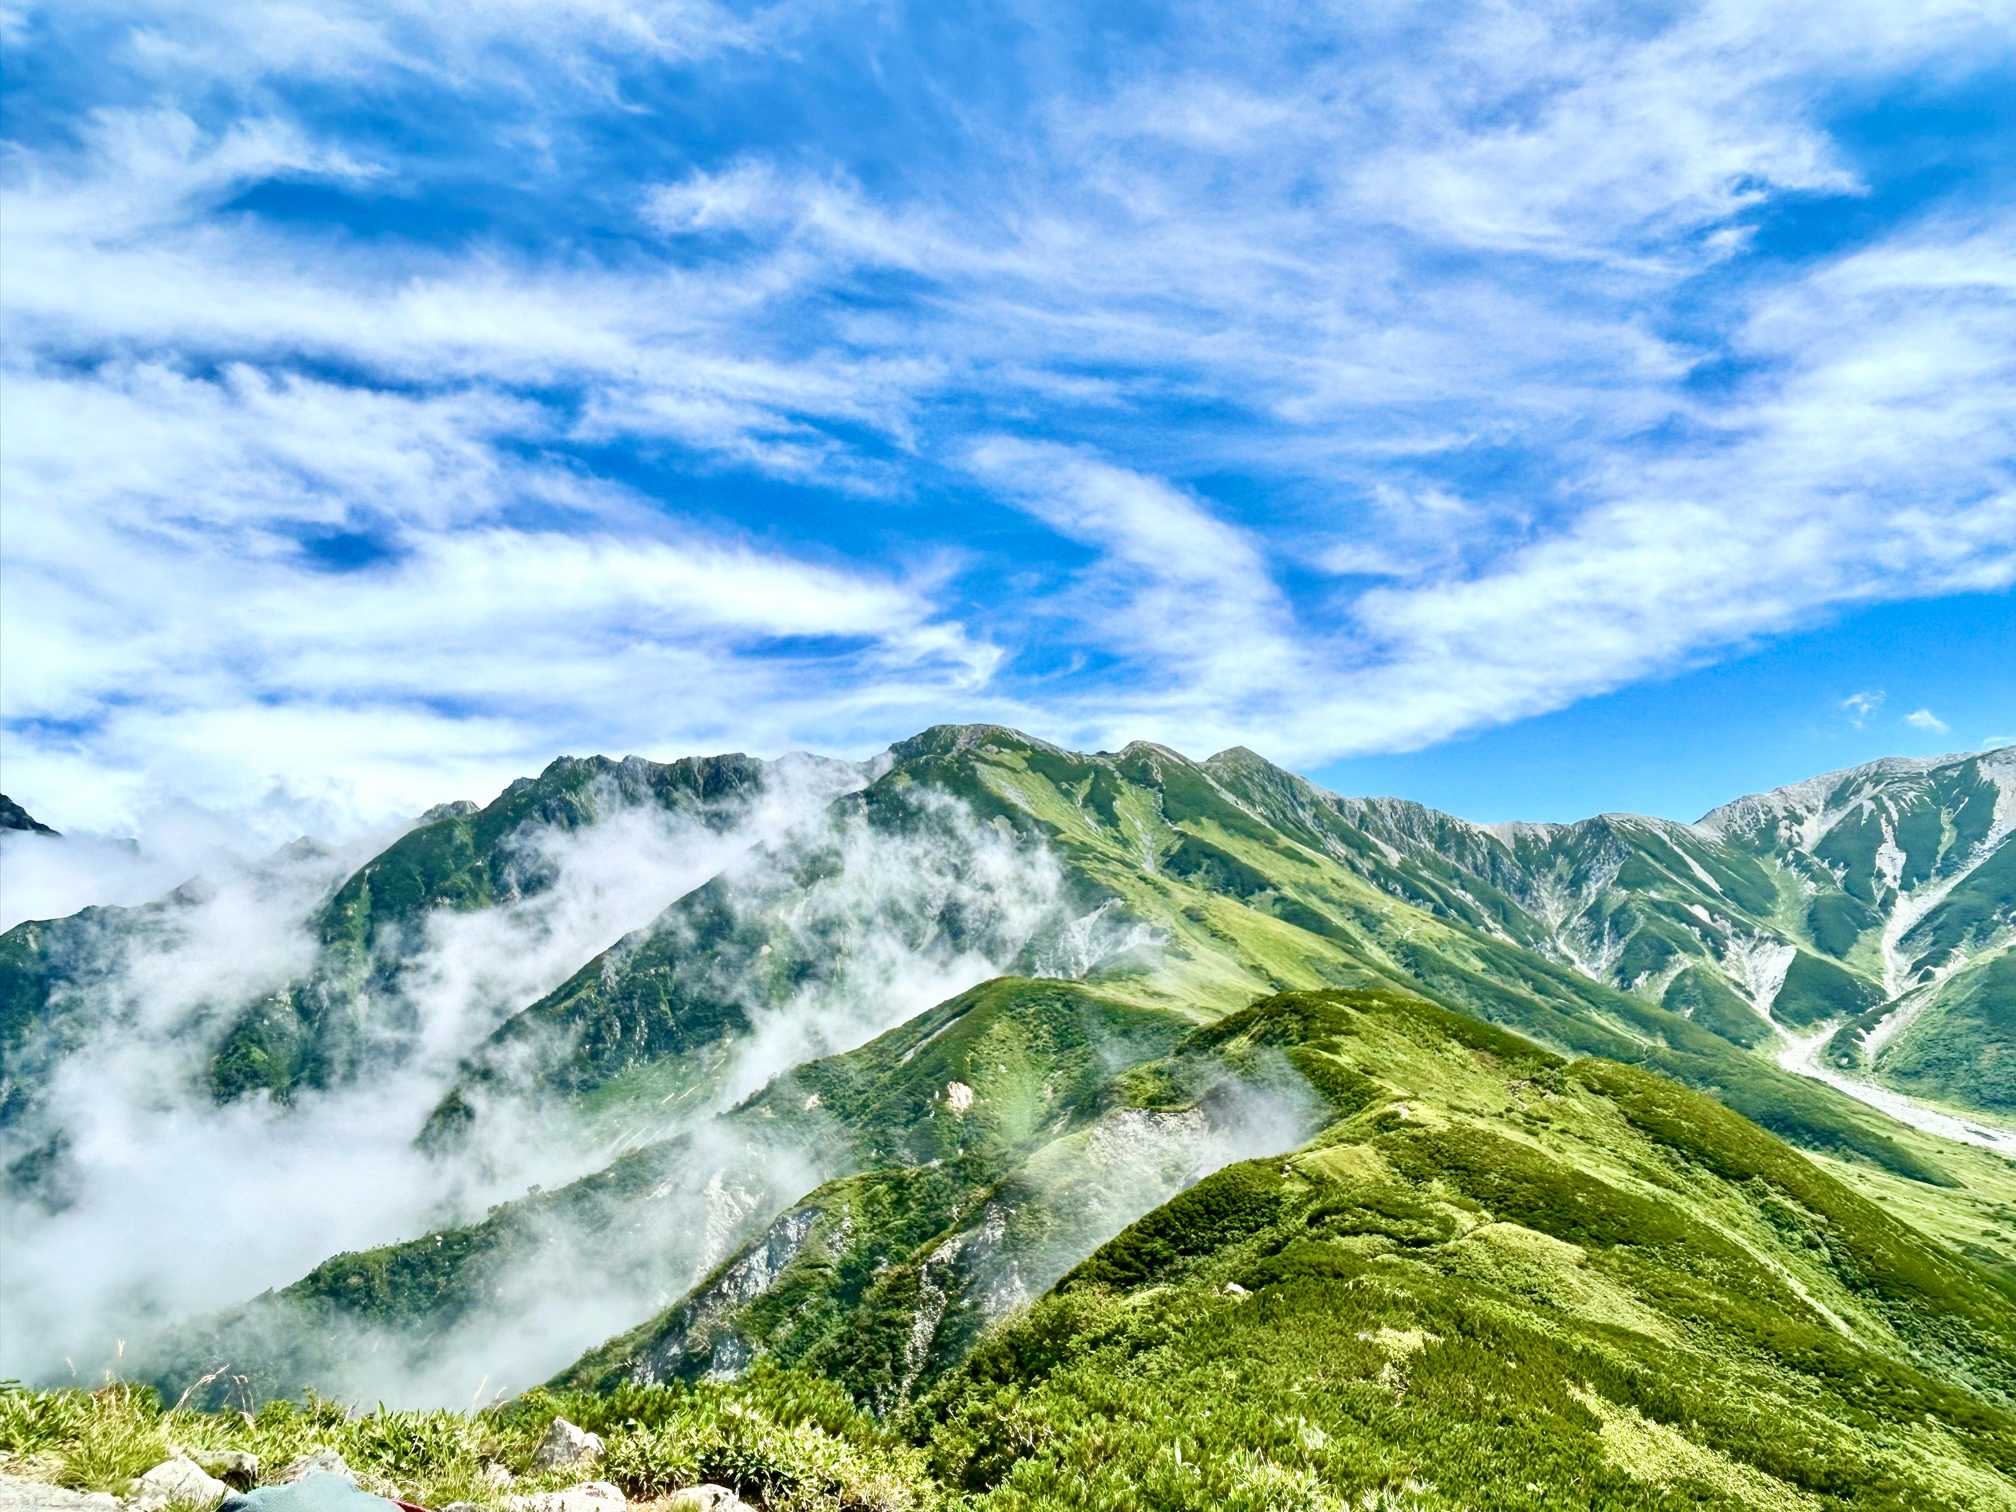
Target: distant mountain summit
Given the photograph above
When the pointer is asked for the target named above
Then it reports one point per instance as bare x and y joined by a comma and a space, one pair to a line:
15, 817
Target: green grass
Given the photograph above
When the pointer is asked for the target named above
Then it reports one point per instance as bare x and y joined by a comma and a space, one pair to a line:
1533, 1290
1493, 1277
786, 1442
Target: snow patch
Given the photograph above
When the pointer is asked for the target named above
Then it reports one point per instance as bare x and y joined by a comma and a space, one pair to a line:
1801, 1055
1758, 965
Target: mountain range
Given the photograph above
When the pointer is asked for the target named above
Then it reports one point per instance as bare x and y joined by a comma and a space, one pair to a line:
990, 1067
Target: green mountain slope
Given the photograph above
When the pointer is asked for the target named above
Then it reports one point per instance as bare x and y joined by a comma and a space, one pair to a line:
872, 1215
871, 1126
1504, 1281
1248, 880
58, 979
461, 858
1491, 1277
64, 980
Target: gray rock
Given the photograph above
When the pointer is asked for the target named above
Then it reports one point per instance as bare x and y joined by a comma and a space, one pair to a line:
176, 1480
321, 1462
566, 1447
21, 1495
708, 1498
589, 1496
499, 1477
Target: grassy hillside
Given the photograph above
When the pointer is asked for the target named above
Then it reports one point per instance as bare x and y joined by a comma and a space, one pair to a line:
871, 1216
1474, 1274
1506, 1281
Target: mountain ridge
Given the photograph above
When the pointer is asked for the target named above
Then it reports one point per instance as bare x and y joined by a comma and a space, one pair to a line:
1176, 891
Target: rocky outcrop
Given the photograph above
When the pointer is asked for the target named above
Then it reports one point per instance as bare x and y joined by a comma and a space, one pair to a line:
567, 1447
176, 1480
321, 1462
232, 1466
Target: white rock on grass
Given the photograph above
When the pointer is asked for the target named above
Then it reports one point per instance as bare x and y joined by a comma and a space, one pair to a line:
708, 1498
20, 1495
176, 1480
567, 1447
589, 1496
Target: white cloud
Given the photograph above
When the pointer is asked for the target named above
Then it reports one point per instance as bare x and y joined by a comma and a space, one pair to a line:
529, 45
1467, 236
748, 195
1189, 598
1861, 705
484, 639
1867, 460
1925, 719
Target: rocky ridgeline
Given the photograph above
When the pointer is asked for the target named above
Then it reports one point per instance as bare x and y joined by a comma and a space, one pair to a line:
229, 1480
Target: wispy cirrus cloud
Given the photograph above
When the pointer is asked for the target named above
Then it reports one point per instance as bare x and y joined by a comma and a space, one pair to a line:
270, 567
1328, 384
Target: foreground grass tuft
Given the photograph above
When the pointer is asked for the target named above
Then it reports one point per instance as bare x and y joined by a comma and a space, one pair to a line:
787, 1443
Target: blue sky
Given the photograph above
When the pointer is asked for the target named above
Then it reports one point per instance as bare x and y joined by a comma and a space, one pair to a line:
1534, 410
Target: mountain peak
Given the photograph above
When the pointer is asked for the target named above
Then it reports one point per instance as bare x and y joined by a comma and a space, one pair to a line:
953, 739
1844, 788
1138, 748
1240, 758
15, 817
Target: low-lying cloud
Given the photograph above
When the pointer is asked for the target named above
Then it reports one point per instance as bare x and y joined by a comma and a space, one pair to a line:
172, 1206
169, 1204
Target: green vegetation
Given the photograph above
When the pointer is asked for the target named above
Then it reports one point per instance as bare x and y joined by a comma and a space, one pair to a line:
1963, 1044
1493, 1277
1816, 990
1483, 1275
789, 1443
1481, 1128
1580, 1286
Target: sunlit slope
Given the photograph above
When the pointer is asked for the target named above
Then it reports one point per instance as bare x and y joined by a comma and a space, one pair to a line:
1495, 1279
1906, 874
997, 1142
1259, 881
